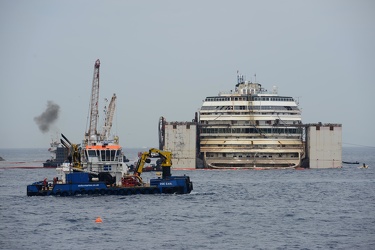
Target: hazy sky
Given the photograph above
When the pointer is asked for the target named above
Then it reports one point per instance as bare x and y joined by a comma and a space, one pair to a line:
162, 58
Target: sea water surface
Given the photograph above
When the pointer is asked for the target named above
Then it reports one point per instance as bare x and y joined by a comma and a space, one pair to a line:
237, 209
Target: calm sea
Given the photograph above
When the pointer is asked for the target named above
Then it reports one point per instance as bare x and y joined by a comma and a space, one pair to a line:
275, 209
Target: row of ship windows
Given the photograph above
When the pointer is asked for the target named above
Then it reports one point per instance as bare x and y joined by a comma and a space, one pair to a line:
104, 155
293, 155
251, 122
249, 98
242, 107
250, 131
247, 113
254, 146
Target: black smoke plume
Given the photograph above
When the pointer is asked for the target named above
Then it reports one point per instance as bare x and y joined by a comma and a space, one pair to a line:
48, 117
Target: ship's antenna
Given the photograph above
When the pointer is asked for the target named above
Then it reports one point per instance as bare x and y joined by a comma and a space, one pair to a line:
240, 78
255, 78
296, 99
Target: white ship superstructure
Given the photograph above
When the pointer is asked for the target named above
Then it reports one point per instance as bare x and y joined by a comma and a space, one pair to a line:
250, 127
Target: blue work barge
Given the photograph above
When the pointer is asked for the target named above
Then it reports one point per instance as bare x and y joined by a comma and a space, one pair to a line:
78, 183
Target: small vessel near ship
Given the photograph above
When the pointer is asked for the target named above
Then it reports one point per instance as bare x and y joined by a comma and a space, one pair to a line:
350, 162
250, 128
58, 155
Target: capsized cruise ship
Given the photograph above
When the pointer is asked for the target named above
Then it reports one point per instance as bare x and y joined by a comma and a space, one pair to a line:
250, 127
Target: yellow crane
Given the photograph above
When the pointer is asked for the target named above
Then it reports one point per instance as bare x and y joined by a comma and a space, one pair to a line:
166, 164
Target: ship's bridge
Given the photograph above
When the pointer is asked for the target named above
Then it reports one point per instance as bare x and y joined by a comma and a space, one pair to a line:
249, 88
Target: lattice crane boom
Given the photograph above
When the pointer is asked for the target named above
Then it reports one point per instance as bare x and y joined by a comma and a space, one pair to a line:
109, 118
94, 109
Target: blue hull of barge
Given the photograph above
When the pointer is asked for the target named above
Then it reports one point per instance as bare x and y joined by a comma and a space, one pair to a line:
79, 184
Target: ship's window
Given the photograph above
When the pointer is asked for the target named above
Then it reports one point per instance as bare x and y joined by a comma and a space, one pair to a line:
187, 126
117, 152
174, 126
331, 128
92, 153
317, 127
113, 155
108, 155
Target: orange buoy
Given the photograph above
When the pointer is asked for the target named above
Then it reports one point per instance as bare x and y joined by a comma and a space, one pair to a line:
98, 220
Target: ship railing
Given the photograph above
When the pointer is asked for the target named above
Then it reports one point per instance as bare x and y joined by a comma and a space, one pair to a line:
105, 166
230, 92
